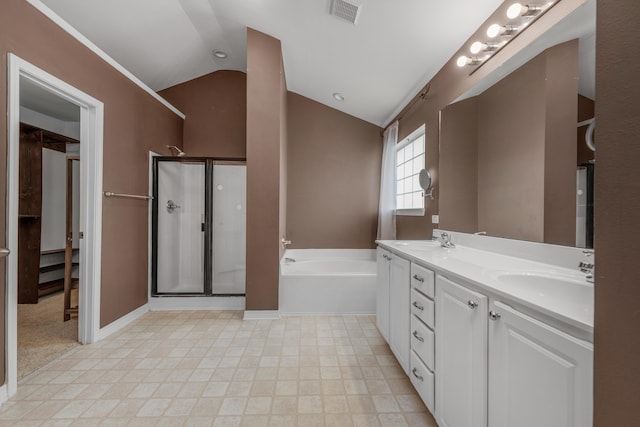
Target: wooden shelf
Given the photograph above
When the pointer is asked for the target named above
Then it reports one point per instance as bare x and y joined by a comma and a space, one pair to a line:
54, 267
29, 216
56, 251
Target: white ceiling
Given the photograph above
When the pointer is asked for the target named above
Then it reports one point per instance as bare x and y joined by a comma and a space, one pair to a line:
378, 64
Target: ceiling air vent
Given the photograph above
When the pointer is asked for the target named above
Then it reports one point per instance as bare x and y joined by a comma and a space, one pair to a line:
346, 10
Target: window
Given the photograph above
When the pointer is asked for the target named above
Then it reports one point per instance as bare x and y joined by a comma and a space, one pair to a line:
409, 162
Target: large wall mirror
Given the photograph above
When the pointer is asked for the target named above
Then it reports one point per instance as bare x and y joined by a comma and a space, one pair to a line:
514, 161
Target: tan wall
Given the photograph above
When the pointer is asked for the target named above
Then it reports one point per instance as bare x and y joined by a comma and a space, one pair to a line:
333, 177
216, 110
617, 222
134, 123
264, 150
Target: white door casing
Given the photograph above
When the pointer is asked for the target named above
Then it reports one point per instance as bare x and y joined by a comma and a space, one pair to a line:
91, 136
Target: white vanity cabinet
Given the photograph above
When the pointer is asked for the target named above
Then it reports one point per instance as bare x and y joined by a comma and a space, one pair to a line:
499, 367
422, 335
383, 258
399, 314
540, 376
392, 303
461, 356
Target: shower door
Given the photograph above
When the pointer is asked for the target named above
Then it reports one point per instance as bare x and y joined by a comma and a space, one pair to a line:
198, 227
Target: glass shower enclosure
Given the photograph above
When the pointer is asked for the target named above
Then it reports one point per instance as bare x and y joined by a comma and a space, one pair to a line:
199, 227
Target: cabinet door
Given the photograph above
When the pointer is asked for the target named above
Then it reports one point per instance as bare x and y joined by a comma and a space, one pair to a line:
399, 312
461, 356
382, 292
540, 376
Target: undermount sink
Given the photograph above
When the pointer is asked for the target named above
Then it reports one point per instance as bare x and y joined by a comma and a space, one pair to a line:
555, 288
416, 244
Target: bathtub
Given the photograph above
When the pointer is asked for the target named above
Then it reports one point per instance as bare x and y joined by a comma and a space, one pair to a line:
328, 281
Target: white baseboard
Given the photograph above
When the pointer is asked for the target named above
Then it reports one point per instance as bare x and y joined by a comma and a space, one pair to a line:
4, 394
195, 303
122, 322
261, 315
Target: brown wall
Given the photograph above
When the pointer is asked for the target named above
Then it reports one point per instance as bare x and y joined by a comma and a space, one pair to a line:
617, 203
265, 141
134, 123
216, 110
333, 179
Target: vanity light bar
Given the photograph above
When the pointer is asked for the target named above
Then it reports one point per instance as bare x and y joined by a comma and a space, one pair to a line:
503, 33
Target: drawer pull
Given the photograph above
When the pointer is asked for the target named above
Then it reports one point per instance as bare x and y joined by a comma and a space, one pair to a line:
418, 278
418, 306
414, 371
494, 315
417, 336
472, 304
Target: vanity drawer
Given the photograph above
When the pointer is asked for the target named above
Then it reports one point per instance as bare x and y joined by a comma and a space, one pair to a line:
423, 308
423, 381
422, 342
422, 279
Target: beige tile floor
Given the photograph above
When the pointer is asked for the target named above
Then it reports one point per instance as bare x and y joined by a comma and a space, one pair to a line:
199, 368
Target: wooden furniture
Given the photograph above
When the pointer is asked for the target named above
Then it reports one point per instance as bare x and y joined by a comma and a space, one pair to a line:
32, 141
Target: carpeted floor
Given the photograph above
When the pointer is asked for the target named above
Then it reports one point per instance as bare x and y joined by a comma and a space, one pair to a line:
42, 334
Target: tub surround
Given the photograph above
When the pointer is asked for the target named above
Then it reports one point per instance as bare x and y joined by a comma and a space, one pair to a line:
328, 281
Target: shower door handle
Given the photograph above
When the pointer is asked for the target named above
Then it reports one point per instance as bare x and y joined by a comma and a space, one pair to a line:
4, 252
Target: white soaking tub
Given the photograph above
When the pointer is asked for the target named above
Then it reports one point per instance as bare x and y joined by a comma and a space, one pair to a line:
328, 281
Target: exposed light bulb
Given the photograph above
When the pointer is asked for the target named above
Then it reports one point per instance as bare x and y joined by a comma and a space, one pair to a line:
516, 10
478, 47
462, 61
495, 30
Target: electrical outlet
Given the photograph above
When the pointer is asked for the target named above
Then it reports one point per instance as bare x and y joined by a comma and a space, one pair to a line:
435, 219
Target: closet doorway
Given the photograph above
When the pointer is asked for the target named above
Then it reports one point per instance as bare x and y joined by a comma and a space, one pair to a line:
199, 227
48, 227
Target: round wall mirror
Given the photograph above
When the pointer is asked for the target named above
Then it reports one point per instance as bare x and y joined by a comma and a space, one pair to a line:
426, 183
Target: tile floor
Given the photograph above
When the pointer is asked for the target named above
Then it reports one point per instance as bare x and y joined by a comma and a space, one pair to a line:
200, 368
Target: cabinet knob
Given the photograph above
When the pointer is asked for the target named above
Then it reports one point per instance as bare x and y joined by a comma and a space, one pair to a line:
494, 315
417, 336
472, 304
418, 278
418, 306
414, 371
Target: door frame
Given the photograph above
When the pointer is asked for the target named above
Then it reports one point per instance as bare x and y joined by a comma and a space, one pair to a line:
91, 137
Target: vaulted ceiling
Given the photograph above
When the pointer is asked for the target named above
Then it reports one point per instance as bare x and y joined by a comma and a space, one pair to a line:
378, 64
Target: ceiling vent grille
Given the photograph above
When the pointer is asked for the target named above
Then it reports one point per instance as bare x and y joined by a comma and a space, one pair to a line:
346, 10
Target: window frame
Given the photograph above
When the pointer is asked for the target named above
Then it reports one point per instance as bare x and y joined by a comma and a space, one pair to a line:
419, 132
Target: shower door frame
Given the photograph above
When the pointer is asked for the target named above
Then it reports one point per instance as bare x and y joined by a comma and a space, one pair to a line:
208, 163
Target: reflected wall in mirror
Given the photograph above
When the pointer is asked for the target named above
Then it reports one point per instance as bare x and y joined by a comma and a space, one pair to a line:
513, 158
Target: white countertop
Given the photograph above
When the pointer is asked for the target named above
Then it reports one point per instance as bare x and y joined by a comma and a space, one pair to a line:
560, 293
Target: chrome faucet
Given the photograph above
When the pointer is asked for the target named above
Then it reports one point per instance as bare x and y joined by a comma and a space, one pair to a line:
445, 240
588, 268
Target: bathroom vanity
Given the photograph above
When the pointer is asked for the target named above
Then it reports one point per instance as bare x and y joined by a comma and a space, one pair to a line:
490, 339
